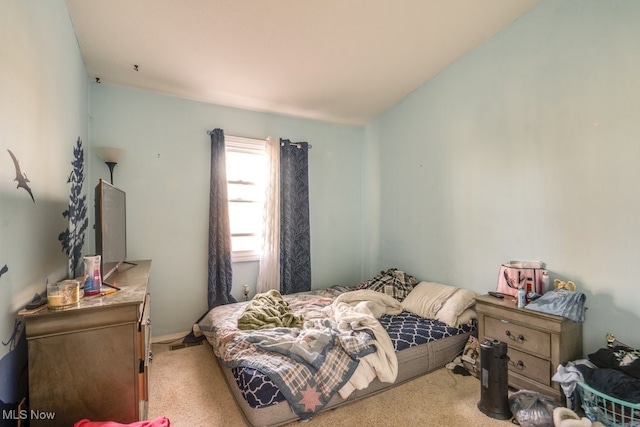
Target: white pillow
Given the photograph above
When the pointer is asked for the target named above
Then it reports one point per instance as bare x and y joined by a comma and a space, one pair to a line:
427, 298
455, 305
466, 317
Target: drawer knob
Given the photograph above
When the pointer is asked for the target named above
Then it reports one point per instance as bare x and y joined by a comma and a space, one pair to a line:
517, 365
519, 338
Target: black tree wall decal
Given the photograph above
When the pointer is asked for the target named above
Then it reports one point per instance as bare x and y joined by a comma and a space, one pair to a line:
72, 239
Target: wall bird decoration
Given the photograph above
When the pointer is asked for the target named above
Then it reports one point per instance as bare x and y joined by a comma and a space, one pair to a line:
21, 177
3, 270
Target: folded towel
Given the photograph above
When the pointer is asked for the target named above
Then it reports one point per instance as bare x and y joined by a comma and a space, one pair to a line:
561, 303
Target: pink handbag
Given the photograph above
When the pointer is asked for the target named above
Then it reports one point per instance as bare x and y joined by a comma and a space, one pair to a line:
528, 275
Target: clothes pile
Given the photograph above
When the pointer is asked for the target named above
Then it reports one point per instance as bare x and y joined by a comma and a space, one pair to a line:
614, 371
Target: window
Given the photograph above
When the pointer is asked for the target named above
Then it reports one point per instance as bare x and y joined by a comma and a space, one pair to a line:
246, 181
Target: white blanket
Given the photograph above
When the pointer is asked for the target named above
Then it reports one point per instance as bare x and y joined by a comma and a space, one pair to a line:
358, 310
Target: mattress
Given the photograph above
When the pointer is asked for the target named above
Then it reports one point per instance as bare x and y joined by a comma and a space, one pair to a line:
421, 346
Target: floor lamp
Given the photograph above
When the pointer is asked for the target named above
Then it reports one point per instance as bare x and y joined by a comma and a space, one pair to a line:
111, 157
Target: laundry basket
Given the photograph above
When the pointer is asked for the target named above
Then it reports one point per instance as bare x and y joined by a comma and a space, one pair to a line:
609, 410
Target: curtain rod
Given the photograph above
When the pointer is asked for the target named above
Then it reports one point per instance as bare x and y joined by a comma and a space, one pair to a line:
297, 144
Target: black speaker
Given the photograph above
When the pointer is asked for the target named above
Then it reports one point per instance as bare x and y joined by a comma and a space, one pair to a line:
494, 391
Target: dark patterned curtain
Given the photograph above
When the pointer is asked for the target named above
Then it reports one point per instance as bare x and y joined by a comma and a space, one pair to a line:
220, 272
295, 241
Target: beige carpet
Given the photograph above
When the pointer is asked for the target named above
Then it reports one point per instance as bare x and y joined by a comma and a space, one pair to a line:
188, 387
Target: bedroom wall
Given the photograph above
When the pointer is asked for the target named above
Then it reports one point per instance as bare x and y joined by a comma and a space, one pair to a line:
526, 148
165, 172
43, 111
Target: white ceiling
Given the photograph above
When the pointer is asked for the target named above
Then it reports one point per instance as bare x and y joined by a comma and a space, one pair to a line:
343, 61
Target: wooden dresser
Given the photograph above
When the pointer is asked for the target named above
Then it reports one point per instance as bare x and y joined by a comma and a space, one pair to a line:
91, 360
537, 342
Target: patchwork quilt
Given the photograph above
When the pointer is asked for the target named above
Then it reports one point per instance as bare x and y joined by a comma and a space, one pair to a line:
406, 330
308, 365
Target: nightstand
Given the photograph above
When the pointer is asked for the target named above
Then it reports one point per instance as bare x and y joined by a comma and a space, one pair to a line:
537, 342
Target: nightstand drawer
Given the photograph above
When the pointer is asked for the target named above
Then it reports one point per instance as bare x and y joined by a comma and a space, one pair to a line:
530, 366
519, 336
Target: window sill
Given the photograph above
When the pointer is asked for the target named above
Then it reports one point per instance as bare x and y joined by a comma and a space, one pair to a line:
245, 257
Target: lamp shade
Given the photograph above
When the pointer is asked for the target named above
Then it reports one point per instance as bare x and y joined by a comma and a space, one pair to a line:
110, 154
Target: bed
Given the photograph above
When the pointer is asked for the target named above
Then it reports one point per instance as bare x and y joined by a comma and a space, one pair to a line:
336, 345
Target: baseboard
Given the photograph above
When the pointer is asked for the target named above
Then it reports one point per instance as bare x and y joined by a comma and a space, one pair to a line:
179, 345
166, 339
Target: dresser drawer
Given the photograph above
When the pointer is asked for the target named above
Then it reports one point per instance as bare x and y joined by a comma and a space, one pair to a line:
518, 336
530, 366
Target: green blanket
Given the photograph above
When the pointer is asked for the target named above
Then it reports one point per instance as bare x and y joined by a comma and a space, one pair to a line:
269, 310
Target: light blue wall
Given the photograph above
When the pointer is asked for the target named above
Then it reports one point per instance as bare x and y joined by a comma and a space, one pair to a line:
526, 148
43, 111
165, 172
